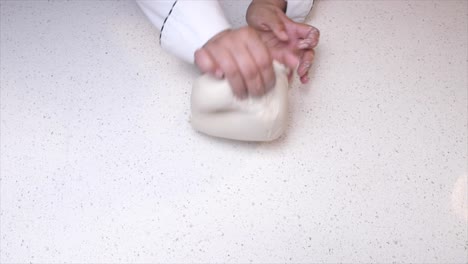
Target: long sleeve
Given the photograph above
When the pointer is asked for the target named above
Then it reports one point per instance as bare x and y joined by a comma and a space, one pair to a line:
185, 25
298, 10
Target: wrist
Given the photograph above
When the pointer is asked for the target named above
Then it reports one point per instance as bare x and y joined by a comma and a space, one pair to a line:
281, 4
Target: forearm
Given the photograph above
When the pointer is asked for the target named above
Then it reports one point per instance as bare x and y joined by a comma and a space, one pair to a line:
185, 25
281, 4
296, 10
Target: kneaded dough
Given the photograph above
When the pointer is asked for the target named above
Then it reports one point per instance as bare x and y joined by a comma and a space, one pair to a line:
217, 112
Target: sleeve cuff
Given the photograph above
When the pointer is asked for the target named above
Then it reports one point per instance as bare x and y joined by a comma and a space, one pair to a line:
298, 10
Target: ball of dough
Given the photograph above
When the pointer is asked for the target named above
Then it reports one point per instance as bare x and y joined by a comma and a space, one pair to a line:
216, 111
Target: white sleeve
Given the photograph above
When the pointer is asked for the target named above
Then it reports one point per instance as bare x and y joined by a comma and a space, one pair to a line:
185, 25
298, 10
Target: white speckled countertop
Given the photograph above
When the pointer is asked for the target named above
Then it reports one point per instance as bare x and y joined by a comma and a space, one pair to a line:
99, 162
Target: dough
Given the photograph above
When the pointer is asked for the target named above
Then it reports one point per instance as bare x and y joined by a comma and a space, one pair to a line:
217, 112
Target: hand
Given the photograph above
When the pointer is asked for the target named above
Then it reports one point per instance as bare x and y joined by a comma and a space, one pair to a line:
240, 56
289, 42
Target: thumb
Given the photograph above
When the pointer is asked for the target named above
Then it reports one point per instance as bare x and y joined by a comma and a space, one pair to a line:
279, 30
206, 63
276, 24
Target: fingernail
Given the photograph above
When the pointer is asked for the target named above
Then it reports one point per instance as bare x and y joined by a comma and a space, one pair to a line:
302, 71
304, 44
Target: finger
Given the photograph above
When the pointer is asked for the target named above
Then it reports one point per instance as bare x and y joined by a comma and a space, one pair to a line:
232, 73
206, 63
279, 29
290, 75
305, 64
309, 36
268, 20
250, 72
264, 62
290, 60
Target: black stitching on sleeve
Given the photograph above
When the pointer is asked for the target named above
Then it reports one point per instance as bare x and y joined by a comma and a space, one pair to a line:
164, 23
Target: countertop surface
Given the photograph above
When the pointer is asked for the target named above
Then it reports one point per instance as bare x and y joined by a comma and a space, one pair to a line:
99, 163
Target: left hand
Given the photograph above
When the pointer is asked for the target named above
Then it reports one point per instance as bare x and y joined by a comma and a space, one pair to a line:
289, 42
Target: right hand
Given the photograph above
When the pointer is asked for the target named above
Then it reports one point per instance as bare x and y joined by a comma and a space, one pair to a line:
242, 58
289, 42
